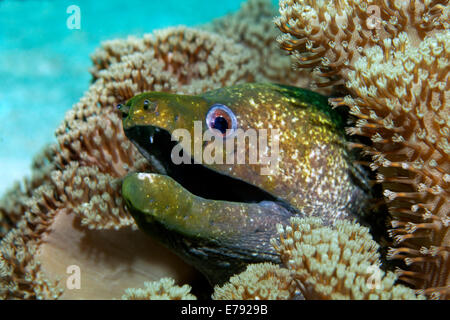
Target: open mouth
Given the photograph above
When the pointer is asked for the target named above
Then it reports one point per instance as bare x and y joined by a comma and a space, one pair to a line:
156, 145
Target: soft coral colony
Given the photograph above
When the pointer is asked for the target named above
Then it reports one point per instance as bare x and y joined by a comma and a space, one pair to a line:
396, 75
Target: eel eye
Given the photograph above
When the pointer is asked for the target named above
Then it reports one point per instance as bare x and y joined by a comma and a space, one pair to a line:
146, 104
221, 118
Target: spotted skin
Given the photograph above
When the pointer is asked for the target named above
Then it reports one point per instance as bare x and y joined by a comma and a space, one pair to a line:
314, 174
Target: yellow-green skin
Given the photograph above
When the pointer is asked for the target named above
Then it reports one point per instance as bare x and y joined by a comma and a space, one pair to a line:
314, 175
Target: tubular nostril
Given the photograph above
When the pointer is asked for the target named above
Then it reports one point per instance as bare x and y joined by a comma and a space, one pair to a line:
123, 109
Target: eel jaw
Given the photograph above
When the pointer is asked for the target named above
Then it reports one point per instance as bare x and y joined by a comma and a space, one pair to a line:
219, 242
156, 145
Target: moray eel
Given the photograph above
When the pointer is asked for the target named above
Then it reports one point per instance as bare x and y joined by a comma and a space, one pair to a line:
219, 216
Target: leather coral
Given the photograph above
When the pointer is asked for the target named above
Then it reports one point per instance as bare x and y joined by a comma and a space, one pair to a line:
392, 57
336, 262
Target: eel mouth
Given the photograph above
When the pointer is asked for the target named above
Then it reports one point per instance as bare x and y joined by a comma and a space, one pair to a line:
156, 145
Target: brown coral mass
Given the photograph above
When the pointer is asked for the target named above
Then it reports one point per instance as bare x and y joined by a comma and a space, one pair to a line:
164, 289
396, 69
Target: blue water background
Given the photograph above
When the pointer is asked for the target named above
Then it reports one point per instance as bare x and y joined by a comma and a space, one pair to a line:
44, 65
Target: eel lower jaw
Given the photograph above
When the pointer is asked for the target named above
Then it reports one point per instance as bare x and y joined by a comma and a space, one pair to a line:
217, 244
156, 145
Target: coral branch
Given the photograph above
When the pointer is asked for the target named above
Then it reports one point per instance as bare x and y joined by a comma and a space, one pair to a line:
336, 263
